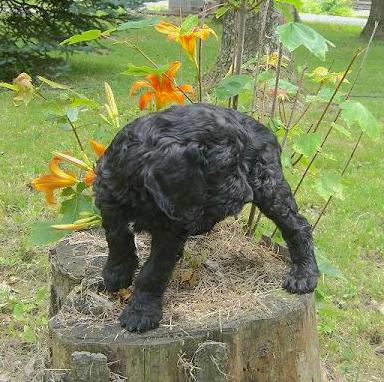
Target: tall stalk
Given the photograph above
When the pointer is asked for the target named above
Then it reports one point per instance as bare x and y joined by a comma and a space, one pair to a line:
240, 46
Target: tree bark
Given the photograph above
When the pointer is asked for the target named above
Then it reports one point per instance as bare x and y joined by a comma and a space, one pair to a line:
376, 14
251, 40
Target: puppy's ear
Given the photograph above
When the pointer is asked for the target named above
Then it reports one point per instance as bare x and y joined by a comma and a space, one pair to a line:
175, 179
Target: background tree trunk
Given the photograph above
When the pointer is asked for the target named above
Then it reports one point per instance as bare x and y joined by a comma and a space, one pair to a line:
251, 41
376, 14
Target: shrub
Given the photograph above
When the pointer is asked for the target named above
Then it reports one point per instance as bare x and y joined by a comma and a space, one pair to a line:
30, 31
329, 7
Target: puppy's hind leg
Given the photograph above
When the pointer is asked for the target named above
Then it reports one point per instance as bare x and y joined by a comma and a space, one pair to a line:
144, 311
122, 260
273, 196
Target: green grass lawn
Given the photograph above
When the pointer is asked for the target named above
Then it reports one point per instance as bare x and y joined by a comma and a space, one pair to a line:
350, 235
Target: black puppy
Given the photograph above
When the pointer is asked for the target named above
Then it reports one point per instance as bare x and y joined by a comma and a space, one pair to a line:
177, 173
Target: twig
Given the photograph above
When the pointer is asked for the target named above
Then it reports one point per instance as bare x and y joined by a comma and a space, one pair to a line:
200, 53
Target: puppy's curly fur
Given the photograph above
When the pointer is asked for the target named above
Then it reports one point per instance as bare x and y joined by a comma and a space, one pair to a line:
178, 172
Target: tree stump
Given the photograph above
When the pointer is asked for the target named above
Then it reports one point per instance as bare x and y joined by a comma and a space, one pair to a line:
275, 343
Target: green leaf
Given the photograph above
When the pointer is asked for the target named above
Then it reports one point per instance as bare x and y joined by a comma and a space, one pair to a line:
188, 24
341, 130
296, 3
52, 84
42, 233
265, 76
8, 86
138, 24
355, 112
283, 84
85, 102
293, 35
330, 185
307, 144
134, 70
73, 114
221, 11
71, 208
41, 296
232, 85
325, 95
29, 334
18, 312
286, 159
90, 35
326, 266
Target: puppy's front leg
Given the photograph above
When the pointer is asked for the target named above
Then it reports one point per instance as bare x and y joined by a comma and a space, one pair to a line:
144, 311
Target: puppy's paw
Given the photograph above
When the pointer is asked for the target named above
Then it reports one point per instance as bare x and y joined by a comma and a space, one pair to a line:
118, 276
300, 281
141, 315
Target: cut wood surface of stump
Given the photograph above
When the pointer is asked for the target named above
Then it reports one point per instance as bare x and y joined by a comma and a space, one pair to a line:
267, 336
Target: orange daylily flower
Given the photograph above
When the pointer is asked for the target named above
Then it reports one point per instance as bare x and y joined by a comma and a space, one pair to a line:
99, 150
162, 88
187, 40
57, 178
97, 147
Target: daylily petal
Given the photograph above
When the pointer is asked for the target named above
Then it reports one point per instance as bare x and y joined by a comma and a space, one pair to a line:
173, 68
188, 43
139, 85
204, 32
145, 99
56, 170
98, 148
187, 88
154, 80
169, 29
89, 177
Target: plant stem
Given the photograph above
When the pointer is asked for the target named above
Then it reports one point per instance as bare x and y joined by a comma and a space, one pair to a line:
200, 54
278, 70
240, 46
76, 135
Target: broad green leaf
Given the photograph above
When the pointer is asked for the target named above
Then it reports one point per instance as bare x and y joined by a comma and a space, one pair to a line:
85, 102
90, 35
286, 159
5, 85
232, 85
355, 112
330, 185
221, 11
341, 130
188, 24
325, 266
71, 208
139, 24
293, 35
42, 233
134, 70
73, 114
52, 84
307, 144
29, 334
265, 76
325, 95
283, 84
